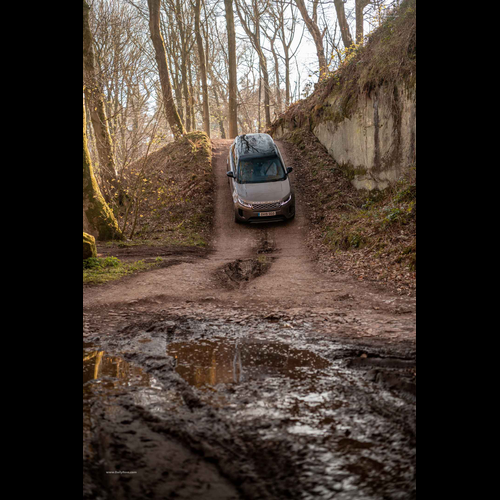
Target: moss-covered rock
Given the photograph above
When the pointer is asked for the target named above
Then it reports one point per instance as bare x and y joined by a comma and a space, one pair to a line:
89, 247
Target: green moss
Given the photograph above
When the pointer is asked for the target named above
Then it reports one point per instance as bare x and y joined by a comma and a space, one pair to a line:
95, 209
98, 271
89, 247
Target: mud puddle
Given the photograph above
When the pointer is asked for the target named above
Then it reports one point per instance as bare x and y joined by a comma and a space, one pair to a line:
106, 377
236, 274
98, 365
208, 363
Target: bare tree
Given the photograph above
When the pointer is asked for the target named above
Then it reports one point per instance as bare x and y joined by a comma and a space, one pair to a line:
181, 32
173, 117
360, 19
312, 26
344, 25
123, 61
203, 68
271, 31
96, 103
250, 15
233, 80
286, 33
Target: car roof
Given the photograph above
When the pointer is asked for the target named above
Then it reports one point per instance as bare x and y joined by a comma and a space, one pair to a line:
255, 145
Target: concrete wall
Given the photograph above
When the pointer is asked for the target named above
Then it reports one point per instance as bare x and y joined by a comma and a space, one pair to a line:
378, 141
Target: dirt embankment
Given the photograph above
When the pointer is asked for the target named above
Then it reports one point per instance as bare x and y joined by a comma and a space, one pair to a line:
170, 194
371, 236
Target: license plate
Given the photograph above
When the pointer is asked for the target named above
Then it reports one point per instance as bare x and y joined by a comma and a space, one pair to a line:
266, 214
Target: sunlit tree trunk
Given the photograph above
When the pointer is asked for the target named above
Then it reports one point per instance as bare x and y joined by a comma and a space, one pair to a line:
97, 108
173, 117
98, 219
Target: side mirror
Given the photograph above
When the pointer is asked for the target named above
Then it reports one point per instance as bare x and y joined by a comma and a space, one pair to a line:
230, 174
289, 170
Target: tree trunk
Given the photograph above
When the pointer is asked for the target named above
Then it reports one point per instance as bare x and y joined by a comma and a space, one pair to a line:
267, 89
344, 25
203, 69
220, 114
173, 117
360, 19
316, 34
191, 99
96, 103
184, 63
98, 219
263, 66
260, 100
279, 100
287, 76
177, 86
233, 79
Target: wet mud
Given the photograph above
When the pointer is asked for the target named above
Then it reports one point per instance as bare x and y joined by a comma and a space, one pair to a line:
258, 410
235, 274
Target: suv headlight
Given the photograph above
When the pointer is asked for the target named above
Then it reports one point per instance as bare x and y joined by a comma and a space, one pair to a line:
244, 203
287, 200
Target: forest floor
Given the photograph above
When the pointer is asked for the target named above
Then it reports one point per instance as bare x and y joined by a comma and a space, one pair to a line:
248, 369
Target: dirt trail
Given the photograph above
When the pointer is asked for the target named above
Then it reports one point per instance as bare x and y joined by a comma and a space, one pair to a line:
247, 373
292, 280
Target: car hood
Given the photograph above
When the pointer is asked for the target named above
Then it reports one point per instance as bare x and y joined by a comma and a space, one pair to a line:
264, 191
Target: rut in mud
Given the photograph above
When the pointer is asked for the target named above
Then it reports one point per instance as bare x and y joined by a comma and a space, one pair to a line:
246, 373
235, 274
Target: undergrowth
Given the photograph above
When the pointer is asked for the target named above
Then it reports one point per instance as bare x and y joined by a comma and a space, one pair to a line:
171, 195
371, 233
102, 270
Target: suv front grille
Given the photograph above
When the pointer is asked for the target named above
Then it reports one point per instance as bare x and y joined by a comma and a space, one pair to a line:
266, 206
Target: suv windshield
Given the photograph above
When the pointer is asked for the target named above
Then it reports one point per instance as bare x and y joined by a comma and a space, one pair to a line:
261, 170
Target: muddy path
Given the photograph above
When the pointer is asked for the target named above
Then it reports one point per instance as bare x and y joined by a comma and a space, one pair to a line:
245, 372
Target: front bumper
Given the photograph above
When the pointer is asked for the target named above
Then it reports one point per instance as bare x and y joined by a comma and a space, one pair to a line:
246, 214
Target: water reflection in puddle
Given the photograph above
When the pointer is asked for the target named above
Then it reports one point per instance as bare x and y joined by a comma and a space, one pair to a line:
97, 365
227, 361
105, 376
